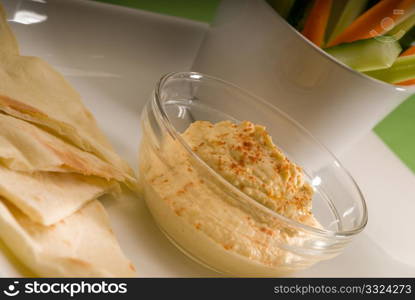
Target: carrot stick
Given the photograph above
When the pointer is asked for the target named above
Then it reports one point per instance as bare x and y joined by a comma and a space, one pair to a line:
374, 21
316, 22
409, 51
406, 82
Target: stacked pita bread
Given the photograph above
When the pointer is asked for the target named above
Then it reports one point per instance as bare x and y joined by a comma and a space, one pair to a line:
54, 164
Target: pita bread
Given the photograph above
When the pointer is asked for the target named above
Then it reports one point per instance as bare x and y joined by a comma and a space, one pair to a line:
47, 179
49, 197
8, 43
82, 245
32, 90
48, 100
25, 147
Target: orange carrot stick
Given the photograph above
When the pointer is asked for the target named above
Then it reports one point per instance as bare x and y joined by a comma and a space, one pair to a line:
316, 22
409, 51
406, 82
375, 21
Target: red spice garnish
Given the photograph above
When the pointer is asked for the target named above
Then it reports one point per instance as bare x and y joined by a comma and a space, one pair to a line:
131, 266
247, 144
253, 159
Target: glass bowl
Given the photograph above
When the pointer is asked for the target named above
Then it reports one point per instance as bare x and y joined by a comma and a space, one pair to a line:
210, 219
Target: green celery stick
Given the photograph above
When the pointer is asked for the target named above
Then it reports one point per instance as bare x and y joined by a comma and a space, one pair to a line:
351, 11
401, 29
408, 39
405, 32
367, 55
402, 69
336, 11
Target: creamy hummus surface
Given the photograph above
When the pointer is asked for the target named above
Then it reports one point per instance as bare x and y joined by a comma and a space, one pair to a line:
204, 212
245, 156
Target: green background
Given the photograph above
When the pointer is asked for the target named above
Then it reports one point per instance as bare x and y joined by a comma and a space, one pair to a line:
397, 130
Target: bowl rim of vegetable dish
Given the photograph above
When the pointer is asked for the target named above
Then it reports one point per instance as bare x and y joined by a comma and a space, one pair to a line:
163, 119
398, 88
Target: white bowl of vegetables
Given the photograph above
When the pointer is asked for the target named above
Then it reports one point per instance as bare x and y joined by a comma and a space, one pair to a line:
338, 67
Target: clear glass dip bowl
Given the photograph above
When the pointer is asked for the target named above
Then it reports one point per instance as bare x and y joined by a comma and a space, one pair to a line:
211, 220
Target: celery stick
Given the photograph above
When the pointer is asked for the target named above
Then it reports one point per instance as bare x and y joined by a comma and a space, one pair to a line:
402, 69
405, 32
408, 39
336, 11
367, 55
351, 11
283, 7
401, 29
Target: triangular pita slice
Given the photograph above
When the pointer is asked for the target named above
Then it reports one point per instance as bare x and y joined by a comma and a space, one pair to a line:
31, 90
8, 43
25, 147
82, 245
47, 197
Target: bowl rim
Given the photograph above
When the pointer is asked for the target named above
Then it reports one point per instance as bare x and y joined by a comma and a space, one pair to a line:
196, 76
398, 88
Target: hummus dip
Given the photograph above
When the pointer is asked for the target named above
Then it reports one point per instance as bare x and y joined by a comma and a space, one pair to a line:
226, 219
